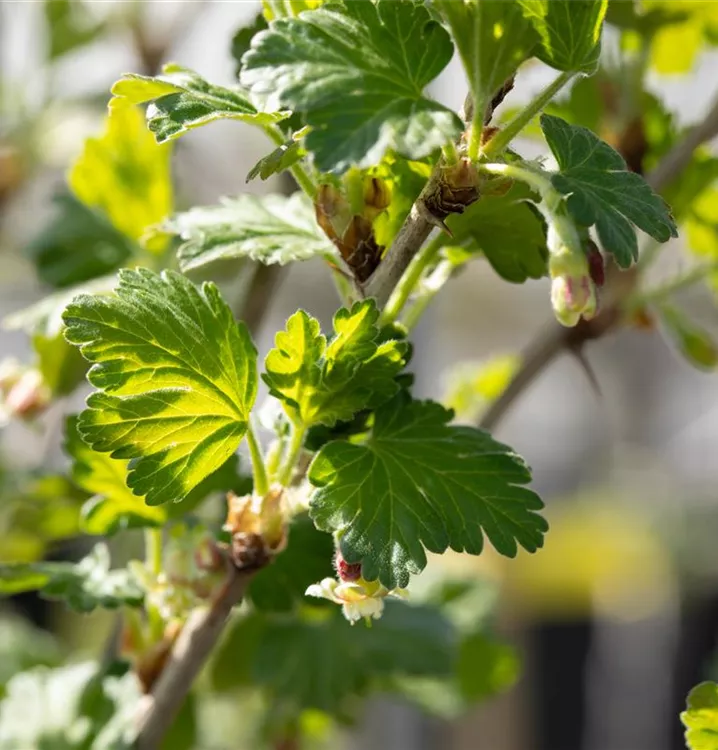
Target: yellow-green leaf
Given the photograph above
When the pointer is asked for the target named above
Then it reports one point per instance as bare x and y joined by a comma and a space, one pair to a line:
124, 174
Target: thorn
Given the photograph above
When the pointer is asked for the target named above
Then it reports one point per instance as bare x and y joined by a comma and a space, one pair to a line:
588, 371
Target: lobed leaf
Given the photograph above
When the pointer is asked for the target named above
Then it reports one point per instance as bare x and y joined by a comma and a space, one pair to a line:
269, 229
180, 100
324, 382
176, 376
419, 483
357, 72
508, 231
601, 191
113, 505
493, 38
569, 30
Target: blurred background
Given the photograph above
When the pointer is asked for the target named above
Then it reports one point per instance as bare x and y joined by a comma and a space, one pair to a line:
617, 617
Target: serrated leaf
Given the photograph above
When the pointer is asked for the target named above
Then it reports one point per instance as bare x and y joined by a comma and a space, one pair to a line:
420, 484
70, 708
317, 660
124, 174
509, 233
113, 505
242, 38
692, 341
493, 38
570, 32
357, 73
601, 191
701, 717
83, 586
77, 245
308, 558
324, 382
176, 376
282, 158
269, 229
180, 100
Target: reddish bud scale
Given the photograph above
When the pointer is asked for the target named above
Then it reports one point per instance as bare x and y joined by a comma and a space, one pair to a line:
346, 571
596, 267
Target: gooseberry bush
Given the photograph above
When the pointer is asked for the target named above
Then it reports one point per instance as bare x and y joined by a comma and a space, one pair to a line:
324, 526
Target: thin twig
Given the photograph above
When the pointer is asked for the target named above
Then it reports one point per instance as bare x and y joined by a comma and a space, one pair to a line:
194, 644
556, 340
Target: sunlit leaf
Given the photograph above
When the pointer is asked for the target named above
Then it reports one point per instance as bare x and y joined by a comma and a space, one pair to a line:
124, 174
701, 717
180, 100
692, 341
176, 376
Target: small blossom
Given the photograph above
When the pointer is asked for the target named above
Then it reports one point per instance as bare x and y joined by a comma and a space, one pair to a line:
23, 391
360, 599
573, 292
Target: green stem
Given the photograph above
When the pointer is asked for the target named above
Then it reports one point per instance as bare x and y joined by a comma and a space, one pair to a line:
153, 562
504, 137
407, 284
429, 289
659, 293
153, 550
290, 461
534, 179
451, 153
259, 471
300, 174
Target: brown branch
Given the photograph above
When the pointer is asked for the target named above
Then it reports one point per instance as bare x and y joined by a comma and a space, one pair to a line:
194, 644
557, 340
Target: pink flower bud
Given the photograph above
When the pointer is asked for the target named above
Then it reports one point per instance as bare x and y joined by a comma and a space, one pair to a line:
346, 571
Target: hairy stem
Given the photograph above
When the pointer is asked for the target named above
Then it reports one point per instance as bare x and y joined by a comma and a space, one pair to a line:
153, 562
504, 137
429, 288
259, 471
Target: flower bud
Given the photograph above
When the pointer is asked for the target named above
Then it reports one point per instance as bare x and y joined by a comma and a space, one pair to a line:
595, 264
346, 571
573, 292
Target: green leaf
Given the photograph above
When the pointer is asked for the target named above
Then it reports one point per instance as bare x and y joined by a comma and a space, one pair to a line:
318, 661
324, 382
694, 343
113, 505
176, 376
405, 180
508, 231
601, 191
269, 229
70, 25
182, 100
71, 708
83, 586
485, 667
124, 174
77, 245
646, 21
701, 717
493, 38
61, 366
282, 158
357, 73
308, 558
242, 39
418, 483
570, 32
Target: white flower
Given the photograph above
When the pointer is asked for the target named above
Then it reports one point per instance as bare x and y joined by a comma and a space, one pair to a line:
360, 599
